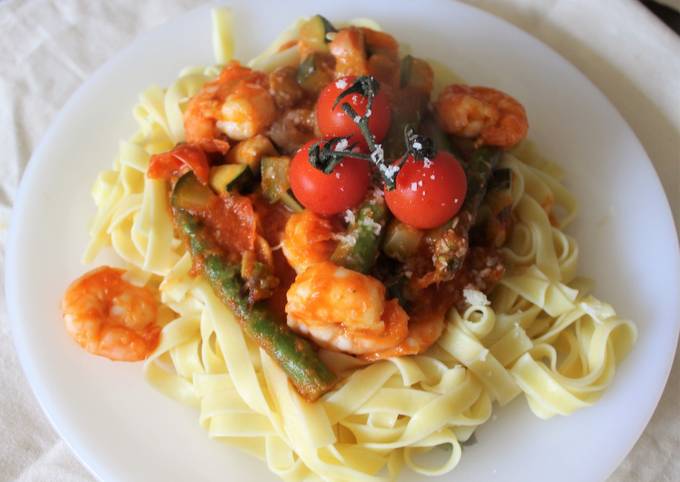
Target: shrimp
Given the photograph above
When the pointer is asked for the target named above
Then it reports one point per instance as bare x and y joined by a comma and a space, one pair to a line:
344, 310
237, 105
109, 317
491, 116
363, 51
308, 239
424, 329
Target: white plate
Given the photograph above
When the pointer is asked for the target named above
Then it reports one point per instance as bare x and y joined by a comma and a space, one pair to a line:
124, 430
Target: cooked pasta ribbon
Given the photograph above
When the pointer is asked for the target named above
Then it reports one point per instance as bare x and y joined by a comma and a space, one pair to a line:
543, 336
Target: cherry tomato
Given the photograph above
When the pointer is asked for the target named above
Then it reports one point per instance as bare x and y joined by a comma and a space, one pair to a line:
428, 193
172, 163
330, 193
334, 122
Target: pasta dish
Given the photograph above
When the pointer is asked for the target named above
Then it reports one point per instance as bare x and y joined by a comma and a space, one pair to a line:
341, 258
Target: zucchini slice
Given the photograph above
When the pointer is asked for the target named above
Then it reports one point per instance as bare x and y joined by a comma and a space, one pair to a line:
401, 240
250, 152
313, 33
231, 177
275, 185
288, 200
190, 194
315, 72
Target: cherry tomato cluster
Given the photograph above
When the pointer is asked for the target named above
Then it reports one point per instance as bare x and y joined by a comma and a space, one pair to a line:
427, 192
346, 185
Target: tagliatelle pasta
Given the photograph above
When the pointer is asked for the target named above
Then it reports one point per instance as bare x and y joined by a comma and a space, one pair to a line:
543, 335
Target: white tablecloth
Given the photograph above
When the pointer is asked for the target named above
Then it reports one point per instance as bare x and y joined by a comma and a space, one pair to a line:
49, 47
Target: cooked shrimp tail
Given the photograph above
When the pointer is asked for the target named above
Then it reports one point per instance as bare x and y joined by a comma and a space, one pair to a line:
110, 317
235, 106
344, 310
489, 116
308, 239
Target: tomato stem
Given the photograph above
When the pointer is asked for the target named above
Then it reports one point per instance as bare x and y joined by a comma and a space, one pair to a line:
421, 147
325, 155
368, 87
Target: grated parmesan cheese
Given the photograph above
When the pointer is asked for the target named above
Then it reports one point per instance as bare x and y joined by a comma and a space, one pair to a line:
341, 84
347, 239
378, 155
391, 170
475, 297
341, 145
371, 224
349, 217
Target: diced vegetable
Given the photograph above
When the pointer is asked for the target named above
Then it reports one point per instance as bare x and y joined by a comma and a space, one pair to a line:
250, 152
275, 177
231, 177
401, 240
358, 247
450, 242
315, 72
294, 354
275, 184
288, 200
189, 194
313, 33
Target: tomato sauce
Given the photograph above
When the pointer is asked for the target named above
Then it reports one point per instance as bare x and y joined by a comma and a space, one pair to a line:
272, 219
232, 222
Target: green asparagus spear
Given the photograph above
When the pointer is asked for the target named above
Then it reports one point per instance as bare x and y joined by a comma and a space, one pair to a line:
449, 243
358, 248
478, 168
295, 355
499, 204
410, 105
429, 128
